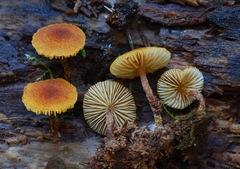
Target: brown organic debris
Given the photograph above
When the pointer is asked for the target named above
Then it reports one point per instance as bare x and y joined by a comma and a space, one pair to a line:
122, 11
17, 140
140, 148
72, 7
85, 8
134, 147
172, 14
191, 2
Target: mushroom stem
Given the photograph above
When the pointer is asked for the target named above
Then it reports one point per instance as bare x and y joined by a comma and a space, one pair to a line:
198, 96
53, 124
66, 69
109, 122
155, 104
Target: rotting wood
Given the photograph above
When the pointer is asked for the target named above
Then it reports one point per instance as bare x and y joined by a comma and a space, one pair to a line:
213, 48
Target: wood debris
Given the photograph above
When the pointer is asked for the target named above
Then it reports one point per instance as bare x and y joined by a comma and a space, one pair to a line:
191, 2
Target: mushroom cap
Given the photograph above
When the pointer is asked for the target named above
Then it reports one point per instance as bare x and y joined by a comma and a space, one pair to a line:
58, 40
149, 59
49, 96
171, 83
102, 96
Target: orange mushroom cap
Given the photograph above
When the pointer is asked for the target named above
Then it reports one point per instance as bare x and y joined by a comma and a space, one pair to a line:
49, 96
58, 40
149, 59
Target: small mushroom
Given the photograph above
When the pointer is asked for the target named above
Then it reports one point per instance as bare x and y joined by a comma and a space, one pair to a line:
139, 62
50, 97
107, 104
59, 41
179, 88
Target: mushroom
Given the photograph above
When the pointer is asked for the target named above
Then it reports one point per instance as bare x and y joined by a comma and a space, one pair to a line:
139, 62
179, 88
107, 104
50, 97
59, 41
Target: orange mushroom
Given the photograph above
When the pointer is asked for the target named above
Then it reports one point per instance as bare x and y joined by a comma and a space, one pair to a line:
50, 97
59, 41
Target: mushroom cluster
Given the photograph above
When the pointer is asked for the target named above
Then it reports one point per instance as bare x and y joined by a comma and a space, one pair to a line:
177, 88
106, 105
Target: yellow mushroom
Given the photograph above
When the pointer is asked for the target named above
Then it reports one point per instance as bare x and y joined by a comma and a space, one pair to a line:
139, 62
179, 88
106, 104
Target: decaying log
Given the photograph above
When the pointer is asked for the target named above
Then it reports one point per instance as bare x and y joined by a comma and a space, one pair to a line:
212, 49
191, 2
206, 37
173, 14
227, 17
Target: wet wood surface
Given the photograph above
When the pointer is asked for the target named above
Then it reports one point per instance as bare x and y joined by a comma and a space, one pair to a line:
206, 36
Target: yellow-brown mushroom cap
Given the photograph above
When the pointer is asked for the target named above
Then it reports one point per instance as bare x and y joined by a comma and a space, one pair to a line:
49, 96
173, 84
108, 95
58, 40
149, 59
